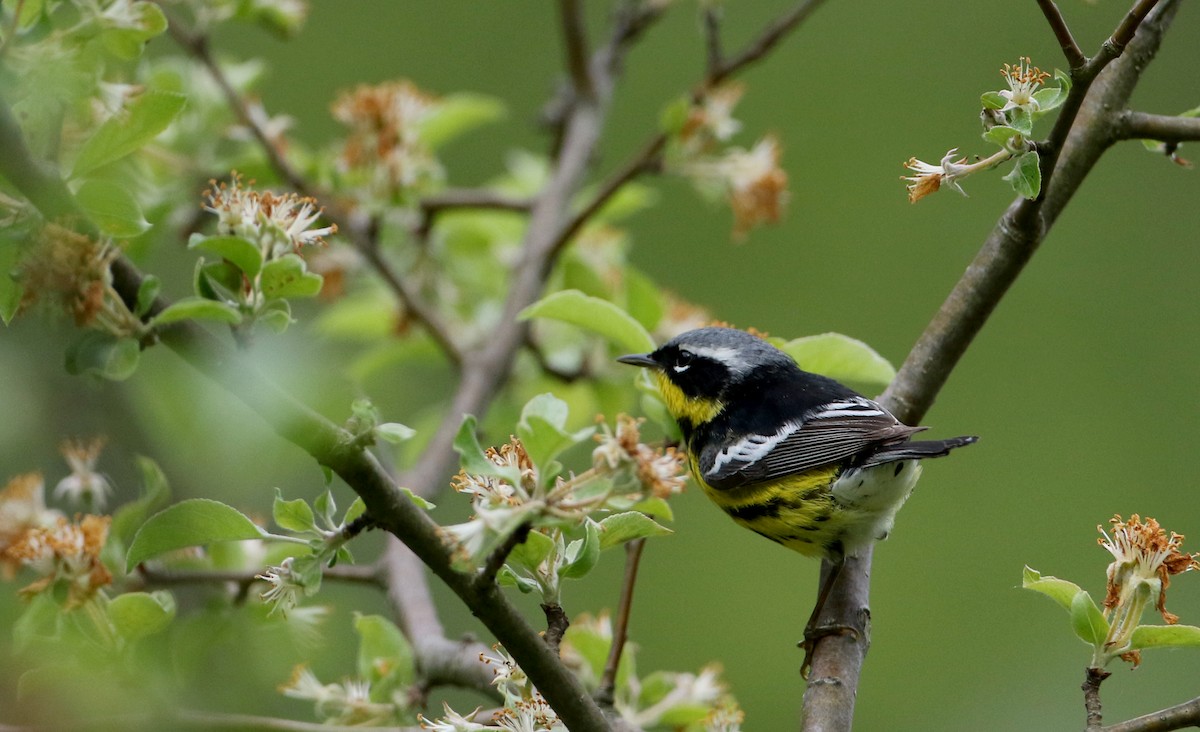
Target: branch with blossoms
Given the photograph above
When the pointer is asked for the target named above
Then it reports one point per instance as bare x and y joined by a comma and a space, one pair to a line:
1084, 129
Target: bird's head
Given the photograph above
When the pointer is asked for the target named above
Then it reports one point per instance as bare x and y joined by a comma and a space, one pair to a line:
695, 370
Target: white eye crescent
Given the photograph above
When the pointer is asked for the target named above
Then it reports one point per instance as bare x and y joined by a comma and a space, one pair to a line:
680, 368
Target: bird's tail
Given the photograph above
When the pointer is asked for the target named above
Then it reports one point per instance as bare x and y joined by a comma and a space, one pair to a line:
918, 450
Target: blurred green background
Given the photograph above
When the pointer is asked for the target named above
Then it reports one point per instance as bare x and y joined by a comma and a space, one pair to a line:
1082, 386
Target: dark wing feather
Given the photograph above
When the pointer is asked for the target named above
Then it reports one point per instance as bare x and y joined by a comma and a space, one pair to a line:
826, 436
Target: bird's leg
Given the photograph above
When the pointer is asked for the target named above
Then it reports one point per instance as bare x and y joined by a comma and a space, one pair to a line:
813, 632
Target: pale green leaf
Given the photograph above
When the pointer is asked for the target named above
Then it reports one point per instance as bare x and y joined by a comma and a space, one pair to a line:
1086, 619
197, 308
592, 313
131, 128
385, 657
1165, 636
288, 276
138, 614
456, 115
104, 355
112, 208
622, 527
194, 522
584, 553
840, 357
1060, 590
294, 515
1026, 175
155, 492
243, 253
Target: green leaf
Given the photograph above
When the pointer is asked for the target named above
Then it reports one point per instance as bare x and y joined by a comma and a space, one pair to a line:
385, 657
1026, 175
1086, 619
242, 252
294, 515
1021, 120
104, 355
541, 430
276, 315
155, 492
1000, 135
197, 308
113, 208
147, 292
622, 527
357, 508
418, 500
1049, 98
531, 552
675, 115
456, 115
128, 130
1060, 590
592, 313
993, 100
474, 460
840, 357
394, 432
288, 276
140, 22
220, 281
583, 554
194, 522
139, 614
1164, 636
654, 507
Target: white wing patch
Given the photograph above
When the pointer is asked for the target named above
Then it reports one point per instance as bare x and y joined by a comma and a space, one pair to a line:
750, 449
852, 407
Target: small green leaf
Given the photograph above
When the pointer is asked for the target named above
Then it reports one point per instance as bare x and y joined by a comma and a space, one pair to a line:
147, 292
194, 522
654, 507
592, 313
113, 208
474, 460
240, 251
1000, 135
357, 508
155, 492
675, 115
276, 315
840, 357
541, 430
288, 276
385, 657
1086, 619
139, 614
993, 100
420, 502
1026, 175
457, 114
138, 23
1059, 590
1164, 636
220, 281
1049, 98
104, 355
294, 515
533, 551
583, 554
1020, 120
197, 308
131, 128
325, 506
622, 527
394, 432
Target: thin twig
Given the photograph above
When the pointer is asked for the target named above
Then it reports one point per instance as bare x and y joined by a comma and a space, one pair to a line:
486, 576
575, 40
433, 205
712, 38
1179, 716
367, 574
762, 44
1075, 56
1132, 21
1091, 697
1162, 127
608, 681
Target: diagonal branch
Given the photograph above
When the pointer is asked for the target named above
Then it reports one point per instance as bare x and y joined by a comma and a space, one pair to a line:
575, 39
1162, 127
1081, 135
1180, 716
1058, 24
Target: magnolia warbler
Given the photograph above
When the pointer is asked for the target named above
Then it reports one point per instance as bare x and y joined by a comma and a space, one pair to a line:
794, 456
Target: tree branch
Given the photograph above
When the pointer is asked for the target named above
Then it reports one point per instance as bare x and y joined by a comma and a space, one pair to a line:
575, 41
608, 681
1132, 125
365, 574
1082, 133
1180, 716
1070, 49
433, 205
776, 31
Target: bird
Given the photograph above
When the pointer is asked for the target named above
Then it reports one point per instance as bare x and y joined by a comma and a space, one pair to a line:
794, 456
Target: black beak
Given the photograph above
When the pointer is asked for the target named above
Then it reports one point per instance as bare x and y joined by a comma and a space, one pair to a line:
639, 359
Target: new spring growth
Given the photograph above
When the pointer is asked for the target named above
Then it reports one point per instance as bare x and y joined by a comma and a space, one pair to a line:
278, 223
1007, 117
1144, 559
84, 486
